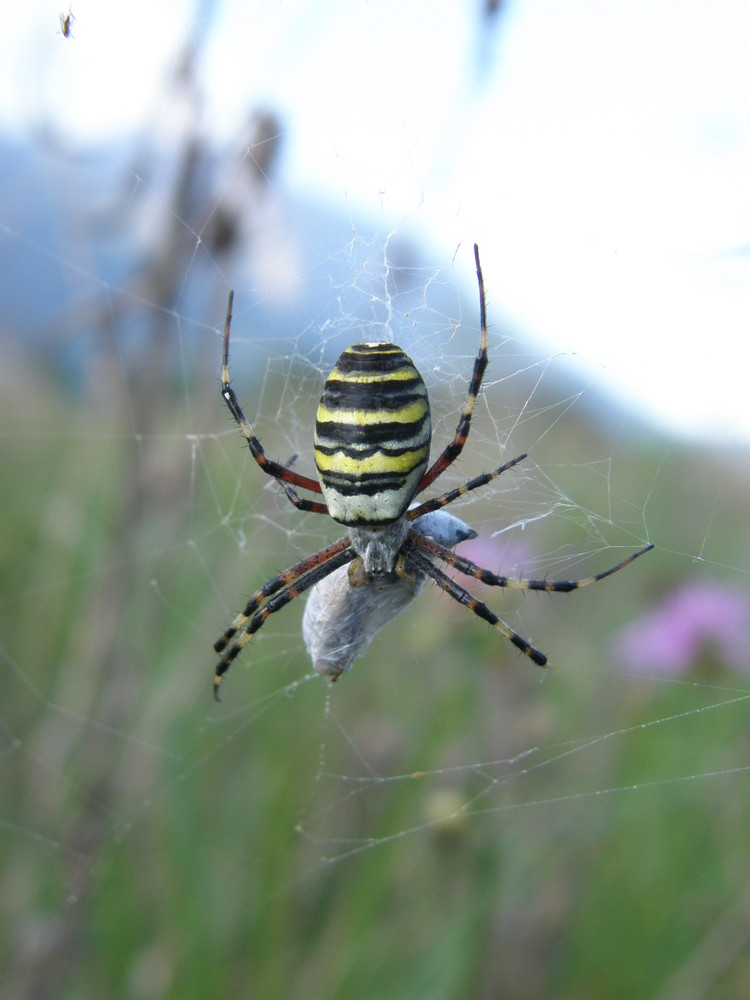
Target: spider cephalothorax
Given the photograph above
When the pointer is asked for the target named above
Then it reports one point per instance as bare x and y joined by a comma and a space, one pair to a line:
372, 443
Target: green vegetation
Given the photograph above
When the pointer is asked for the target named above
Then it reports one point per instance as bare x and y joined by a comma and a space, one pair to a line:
445, 822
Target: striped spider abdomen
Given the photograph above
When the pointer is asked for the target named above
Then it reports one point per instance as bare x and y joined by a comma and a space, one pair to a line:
372, 435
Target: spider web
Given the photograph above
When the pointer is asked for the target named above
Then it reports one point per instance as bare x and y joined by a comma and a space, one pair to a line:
444, 767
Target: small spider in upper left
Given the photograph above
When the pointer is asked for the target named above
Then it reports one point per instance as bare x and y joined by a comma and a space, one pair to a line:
66, 23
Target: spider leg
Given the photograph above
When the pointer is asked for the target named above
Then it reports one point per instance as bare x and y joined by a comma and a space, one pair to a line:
426, 566
315, 506
291, 583
454, 449
442, 501
280, 472
278, 583
466, 566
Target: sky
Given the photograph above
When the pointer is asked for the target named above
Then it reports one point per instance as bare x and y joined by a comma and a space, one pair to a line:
599, 152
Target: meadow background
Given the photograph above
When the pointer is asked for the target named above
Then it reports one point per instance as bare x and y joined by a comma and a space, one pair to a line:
446, 821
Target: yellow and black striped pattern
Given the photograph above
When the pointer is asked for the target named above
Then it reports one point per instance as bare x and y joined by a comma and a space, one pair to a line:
372, 435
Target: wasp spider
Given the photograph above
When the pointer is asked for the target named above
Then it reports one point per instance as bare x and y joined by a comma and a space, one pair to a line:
371, 445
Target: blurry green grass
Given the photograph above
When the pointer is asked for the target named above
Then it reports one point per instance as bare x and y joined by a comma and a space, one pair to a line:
185, 844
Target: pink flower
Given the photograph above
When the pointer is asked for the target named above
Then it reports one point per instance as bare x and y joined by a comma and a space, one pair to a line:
687, 623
